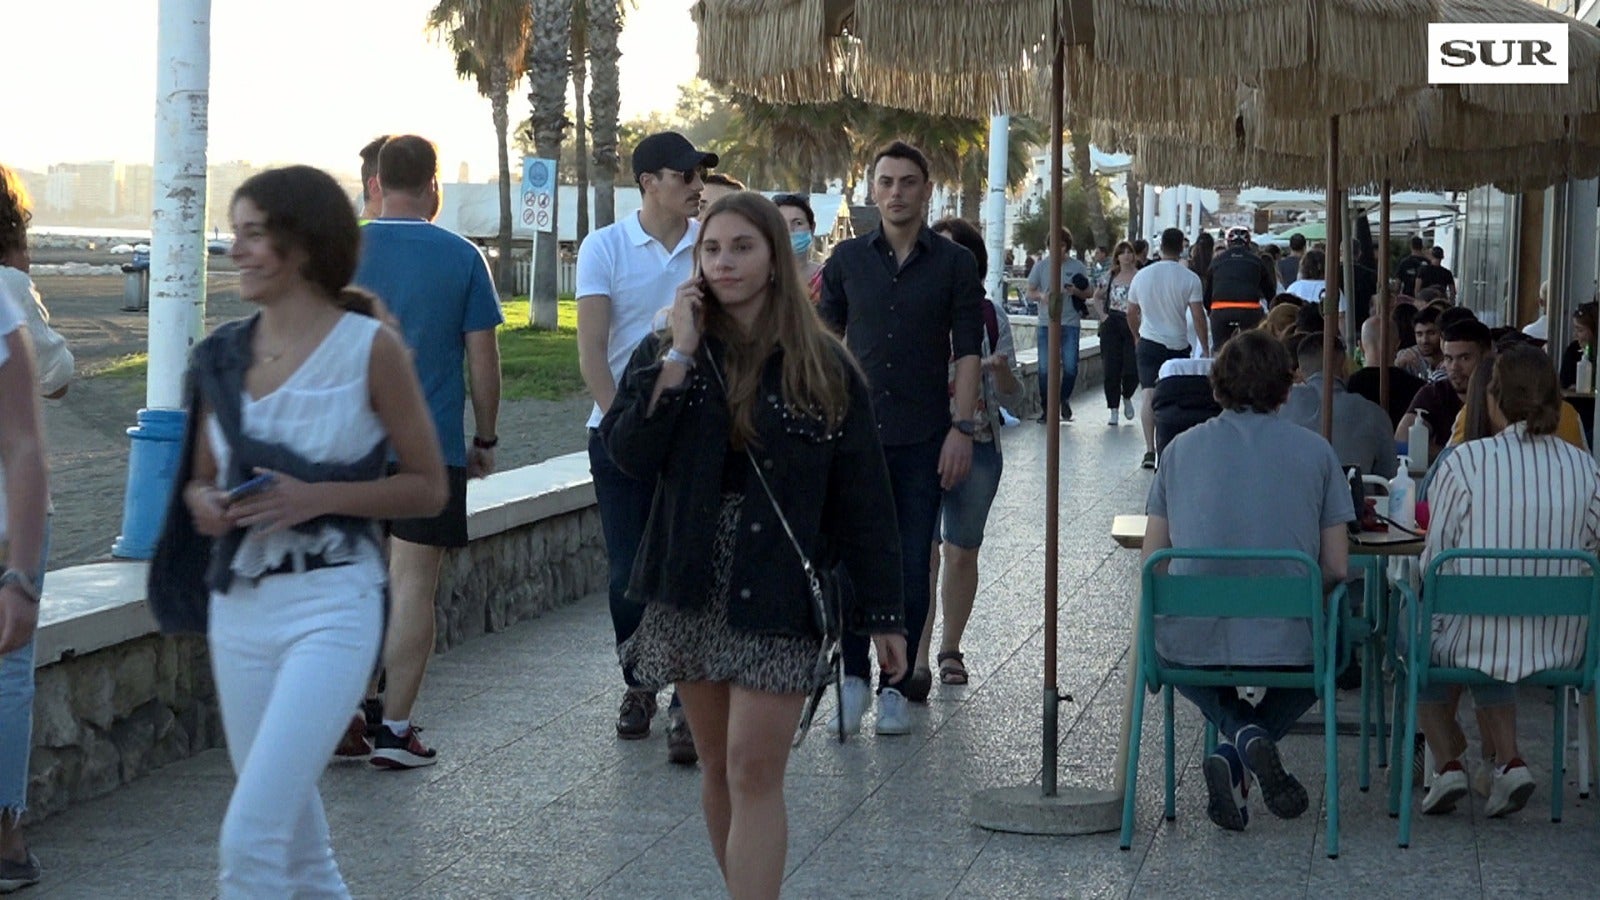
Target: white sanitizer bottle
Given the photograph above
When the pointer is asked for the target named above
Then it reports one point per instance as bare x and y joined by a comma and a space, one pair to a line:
1403, 497
1417, 443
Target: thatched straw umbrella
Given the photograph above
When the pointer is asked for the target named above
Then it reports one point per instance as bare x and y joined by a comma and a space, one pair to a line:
1135, 61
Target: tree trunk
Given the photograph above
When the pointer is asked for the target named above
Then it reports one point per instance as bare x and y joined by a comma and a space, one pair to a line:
549, 72
605, 26
972, 177
1083, 168
581, 138
500, 87
1135, 206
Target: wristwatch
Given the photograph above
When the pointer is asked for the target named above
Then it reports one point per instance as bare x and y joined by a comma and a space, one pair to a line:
682, 359
965, 426
483, 443
26, 585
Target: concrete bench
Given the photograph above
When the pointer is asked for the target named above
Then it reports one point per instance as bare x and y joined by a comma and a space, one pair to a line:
116, 699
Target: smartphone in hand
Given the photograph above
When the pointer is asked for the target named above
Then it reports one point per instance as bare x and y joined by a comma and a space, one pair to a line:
253, 486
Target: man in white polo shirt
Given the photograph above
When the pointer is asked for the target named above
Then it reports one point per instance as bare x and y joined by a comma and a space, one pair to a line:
627, 273
1159, 298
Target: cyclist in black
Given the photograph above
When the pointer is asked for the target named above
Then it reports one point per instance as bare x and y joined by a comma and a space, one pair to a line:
1238, 286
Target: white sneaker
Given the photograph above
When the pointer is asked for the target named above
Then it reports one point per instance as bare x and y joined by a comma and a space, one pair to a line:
1449, 788
1510, 792
1127, 408
894, 713
1113, 421
856, 695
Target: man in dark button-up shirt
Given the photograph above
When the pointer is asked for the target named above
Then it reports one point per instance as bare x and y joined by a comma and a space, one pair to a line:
906, 301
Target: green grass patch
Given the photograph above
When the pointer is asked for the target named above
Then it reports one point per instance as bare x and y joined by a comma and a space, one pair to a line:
538, 363
131, 367
533, 362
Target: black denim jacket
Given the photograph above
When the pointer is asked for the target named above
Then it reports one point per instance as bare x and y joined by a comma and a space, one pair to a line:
833, 488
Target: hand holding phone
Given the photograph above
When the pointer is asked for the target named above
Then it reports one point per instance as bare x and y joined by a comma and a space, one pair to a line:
688, 314
253, 486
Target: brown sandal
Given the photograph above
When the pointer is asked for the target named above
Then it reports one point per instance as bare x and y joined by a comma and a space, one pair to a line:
951, 670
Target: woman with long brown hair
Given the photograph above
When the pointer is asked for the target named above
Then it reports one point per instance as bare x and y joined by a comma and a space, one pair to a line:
760, 429
1491, 493
1116, 338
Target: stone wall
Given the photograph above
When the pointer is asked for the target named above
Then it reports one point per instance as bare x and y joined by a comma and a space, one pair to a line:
108, 717
1087, 397
500, 580
104, 718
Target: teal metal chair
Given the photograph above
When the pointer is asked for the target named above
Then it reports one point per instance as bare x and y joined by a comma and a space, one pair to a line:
1366, 633
1296, 596
1492, 595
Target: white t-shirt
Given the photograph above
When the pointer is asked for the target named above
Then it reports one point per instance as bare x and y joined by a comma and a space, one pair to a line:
1163, 291
1312, 289
51, 357
640, 275
11, 319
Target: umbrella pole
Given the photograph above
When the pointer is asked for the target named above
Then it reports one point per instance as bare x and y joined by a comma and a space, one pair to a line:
1044, 808
1385, 319
1052, 478
1332, 366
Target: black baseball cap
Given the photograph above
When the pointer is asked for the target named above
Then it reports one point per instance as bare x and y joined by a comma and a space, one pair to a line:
669, 150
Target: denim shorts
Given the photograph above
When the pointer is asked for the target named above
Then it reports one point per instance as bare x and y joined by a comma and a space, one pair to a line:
965, 507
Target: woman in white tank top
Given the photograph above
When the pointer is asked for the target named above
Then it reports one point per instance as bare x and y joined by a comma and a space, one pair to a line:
294, 630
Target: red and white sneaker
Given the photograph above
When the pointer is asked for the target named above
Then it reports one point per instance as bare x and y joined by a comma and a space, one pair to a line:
392, 751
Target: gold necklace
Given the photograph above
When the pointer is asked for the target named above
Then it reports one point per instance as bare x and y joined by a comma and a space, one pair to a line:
270, 358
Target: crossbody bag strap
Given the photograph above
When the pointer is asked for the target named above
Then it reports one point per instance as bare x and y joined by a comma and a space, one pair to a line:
805, 561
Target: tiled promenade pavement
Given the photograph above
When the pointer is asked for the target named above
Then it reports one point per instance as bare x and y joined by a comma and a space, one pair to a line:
535, 797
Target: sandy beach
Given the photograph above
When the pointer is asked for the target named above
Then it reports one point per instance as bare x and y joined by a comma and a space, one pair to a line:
87, 429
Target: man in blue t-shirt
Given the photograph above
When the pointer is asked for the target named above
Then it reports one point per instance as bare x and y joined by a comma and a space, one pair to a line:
438, 286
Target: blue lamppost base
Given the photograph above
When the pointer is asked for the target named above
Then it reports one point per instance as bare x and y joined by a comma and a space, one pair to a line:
152, 465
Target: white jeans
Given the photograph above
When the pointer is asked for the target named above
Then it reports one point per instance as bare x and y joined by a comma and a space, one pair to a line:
291, 656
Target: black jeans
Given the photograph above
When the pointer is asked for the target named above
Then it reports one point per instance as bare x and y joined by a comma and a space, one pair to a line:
624, 503
1117, 358
914, 477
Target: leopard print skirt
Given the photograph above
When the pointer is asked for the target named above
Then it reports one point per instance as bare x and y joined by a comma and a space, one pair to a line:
673, 645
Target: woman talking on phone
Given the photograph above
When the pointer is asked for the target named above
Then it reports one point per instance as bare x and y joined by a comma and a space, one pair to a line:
760, 428
293, 414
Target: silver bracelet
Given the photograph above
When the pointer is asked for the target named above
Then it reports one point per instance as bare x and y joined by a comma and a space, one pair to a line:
682, 359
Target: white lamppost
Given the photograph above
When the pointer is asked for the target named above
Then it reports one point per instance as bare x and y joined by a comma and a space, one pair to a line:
995, 233
177, 266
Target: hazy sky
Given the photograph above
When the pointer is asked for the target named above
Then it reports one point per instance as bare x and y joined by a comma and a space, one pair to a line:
291, 80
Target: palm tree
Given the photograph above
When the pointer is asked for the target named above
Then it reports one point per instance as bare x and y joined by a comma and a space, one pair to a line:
605, 99
1083, 168
489, 39
788, 146
548, 66
1026, 135
580, 125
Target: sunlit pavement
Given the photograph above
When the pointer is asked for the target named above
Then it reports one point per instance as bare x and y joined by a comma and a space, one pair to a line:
535, 797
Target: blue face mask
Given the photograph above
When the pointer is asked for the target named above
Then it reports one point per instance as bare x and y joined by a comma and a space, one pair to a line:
800, 241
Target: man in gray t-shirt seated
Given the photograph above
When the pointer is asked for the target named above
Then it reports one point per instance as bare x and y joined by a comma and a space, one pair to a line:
1289, 494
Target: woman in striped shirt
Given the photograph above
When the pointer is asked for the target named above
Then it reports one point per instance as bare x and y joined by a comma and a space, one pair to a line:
1523, 488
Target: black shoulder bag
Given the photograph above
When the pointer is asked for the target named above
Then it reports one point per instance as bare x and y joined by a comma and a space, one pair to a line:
825, 613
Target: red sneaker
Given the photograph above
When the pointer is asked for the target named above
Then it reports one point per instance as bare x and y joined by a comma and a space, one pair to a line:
392, 751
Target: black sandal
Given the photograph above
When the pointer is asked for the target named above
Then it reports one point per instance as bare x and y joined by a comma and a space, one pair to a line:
951, 670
